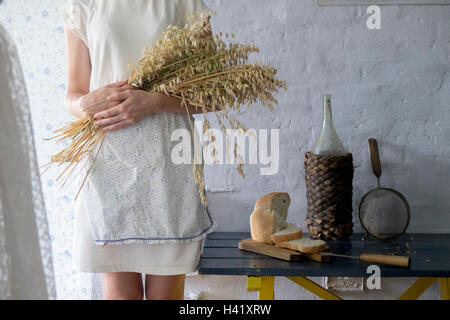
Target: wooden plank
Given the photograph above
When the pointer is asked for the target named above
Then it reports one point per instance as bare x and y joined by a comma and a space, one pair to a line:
257, 267
380, 2
269, 250
228, 235
274, 267
231, 253
227, 249
211, 243
317, 257
307, 268
280, 253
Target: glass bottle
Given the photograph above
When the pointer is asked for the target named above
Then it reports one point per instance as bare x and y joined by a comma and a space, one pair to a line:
328, 142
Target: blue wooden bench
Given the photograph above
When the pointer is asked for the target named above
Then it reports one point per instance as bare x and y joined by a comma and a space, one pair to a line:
430, 262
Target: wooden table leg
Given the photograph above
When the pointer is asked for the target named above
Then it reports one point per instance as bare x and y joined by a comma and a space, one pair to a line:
417, 289
313, 287
264, 285
267, 288
444, 286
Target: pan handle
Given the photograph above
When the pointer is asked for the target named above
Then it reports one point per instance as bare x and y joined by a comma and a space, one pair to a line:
375, 158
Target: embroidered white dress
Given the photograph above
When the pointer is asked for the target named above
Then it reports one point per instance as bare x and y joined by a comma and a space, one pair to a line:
146, 208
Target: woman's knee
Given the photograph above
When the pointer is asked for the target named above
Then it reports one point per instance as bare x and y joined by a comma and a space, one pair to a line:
123, 286
165, 287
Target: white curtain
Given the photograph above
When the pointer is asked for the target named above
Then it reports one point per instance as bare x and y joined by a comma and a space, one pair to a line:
26, 268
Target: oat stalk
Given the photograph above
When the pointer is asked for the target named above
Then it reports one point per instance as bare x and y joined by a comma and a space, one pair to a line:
212, 73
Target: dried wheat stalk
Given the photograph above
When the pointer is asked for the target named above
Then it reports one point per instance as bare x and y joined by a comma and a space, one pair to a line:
210, 73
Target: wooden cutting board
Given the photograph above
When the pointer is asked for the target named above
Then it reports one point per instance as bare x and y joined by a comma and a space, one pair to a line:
269, 250
280, 253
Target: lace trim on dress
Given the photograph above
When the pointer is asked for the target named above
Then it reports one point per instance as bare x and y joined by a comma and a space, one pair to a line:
76, 14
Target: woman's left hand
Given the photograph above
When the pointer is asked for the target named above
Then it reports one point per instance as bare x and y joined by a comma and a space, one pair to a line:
135, 106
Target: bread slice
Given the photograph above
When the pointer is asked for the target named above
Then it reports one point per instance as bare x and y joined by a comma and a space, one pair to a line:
304, 245
288, 234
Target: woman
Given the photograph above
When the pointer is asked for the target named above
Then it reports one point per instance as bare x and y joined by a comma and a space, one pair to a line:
138, 213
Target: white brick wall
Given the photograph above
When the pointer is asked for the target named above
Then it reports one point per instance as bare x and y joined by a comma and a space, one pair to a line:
391, 84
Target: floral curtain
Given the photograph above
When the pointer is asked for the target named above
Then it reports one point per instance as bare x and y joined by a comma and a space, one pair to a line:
37, 30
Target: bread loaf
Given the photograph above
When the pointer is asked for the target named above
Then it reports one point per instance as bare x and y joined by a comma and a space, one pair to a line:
269, 216
288, 234
304, 245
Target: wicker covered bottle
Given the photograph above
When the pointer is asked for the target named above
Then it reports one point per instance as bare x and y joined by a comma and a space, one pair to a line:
329, 183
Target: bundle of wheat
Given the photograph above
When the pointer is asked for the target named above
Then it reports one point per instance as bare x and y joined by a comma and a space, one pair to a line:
211, 73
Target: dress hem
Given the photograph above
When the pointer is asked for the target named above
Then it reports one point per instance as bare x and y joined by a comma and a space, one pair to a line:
202, 236
159, 271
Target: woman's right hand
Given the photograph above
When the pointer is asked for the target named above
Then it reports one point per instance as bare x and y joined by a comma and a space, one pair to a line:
96, 101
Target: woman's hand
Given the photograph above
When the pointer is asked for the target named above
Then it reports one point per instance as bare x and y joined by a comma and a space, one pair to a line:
128, 108
97, 100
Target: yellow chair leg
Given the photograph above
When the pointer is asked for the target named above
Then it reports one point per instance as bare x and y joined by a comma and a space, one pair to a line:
253, 283
417, 289
314, 288
267, 288
264, 285
444, 285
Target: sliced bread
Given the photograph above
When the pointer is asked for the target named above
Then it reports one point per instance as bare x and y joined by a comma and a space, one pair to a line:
262, 225
304, 245
269, 215
288, 234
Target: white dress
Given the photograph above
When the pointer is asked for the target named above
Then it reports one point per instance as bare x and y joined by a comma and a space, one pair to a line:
136, 200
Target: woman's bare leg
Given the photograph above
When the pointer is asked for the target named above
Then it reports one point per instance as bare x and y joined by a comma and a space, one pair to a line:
164, 287
123, 286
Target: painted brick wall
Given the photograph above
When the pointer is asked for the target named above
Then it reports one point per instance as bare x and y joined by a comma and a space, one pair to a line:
391, 84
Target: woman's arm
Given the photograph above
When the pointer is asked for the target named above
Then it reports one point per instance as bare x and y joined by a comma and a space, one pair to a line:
79, 73
133, 106
79, 101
